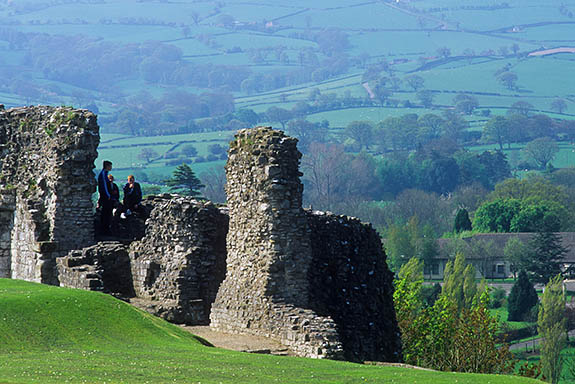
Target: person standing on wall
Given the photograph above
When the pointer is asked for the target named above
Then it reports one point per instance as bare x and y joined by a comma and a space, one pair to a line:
132, 196
105, 201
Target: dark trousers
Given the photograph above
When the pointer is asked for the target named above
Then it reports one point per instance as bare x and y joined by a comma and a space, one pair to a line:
106, 215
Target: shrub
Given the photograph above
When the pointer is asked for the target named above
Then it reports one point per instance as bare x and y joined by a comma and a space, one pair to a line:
497, 298
521, 299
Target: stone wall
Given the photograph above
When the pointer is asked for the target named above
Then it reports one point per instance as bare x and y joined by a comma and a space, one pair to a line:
179, 264
305, 280
350, 282
101, 267
46, 182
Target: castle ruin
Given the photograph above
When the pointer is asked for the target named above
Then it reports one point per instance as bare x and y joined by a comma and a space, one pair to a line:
316, 282
46, 184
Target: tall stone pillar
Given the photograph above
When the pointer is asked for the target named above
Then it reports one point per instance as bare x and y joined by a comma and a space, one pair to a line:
46, 184
266, 289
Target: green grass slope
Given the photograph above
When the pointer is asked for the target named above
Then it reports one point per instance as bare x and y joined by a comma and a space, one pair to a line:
55, 335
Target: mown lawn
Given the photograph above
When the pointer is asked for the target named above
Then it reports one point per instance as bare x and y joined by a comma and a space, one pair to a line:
55, 335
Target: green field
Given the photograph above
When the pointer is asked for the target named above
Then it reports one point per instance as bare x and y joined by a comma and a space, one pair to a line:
124, 152
382, 31
55, 335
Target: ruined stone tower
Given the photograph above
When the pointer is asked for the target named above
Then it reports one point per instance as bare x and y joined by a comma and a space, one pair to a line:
46, 183
301, 278
269, 248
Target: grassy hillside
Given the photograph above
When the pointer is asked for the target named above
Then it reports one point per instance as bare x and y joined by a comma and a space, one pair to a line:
54, 335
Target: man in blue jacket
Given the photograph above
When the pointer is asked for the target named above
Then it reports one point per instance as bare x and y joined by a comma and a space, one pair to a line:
105, 202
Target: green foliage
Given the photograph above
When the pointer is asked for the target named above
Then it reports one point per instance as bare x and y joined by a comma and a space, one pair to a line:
541, 150
462, 222
512, 215
522, 299
399, 246
552, 329
497, 129
497, 298
459, 283
515, 251
496, 216
361, 132
184, 180
443, 337
430, 294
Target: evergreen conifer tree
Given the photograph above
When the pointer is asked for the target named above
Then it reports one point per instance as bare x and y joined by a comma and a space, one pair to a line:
184, 181
462, 222
545, 259
521, 299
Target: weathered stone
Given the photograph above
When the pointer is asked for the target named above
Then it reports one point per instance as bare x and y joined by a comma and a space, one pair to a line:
179, 264
300, 278
46, 174
103, 267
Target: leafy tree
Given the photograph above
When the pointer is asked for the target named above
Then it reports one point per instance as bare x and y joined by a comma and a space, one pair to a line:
508, 79
559, 105
216, 149
522, 298
515, 251
407, 303
425, 97
552, 329
521, 108
189, 150
496, 216
306, 132
459, 282
361, 132
462, 222
444, 52
439, 174
278, 115
399, 246
442, 337
247, 116
538, 216
465, 103
215, 180
381, 91
532, 189
415, 81
431, 124
454, 124
147, 154
541, 151
184, 181
496, 167
497, 129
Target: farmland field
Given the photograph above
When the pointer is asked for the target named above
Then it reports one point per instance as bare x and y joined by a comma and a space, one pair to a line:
455, 46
